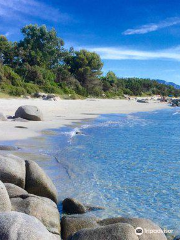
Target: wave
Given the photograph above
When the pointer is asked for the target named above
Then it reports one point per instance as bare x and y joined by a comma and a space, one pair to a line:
178, 112
129, 120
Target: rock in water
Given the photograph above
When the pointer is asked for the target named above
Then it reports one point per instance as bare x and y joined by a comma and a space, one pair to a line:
72, 206
20, 226
42, 208
38, 183
5, 204
31, 113
12, 170
117, 231
14, 191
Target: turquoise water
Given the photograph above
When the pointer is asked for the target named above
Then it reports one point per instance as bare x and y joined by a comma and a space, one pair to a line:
130, 164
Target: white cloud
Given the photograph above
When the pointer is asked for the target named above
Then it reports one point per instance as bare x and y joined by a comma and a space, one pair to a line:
122, 53
153, 26
20, 9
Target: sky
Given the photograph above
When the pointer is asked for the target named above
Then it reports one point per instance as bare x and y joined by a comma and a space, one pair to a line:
135, 38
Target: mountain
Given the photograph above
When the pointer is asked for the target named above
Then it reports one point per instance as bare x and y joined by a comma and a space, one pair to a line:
168, 83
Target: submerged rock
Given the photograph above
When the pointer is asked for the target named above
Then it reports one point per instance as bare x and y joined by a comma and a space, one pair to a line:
38, 183
31, 113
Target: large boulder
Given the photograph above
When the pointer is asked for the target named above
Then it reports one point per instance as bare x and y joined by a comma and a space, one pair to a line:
72, 206
20, 226
12, 170
42, 208
118, 231
38, 183
146, 225
5, 204
72, 224
31, 113
14, 191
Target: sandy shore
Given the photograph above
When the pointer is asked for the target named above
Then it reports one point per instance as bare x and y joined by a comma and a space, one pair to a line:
64, 112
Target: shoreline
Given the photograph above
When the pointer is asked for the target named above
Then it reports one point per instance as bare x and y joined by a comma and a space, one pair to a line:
64, 112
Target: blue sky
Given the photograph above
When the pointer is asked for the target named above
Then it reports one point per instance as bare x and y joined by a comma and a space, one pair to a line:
138, 38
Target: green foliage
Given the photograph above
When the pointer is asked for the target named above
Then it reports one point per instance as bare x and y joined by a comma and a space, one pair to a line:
36, 74
86, 67
12, 90
41, 47
39, 62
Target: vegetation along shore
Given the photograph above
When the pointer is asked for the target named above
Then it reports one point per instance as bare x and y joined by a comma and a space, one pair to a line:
40, 62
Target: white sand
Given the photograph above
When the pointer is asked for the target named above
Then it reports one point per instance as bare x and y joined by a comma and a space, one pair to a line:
64, 112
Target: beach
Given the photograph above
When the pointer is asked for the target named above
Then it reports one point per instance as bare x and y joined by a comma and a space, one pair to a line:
60, 113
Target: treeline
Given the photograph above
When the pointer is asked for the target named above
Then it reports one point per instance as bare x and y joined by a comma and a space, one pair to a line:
40, 62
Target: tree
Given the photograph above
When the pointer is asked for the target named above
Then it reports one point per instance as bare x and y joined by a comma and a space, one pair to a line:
111, 77
6, 51
41, 47
86, 67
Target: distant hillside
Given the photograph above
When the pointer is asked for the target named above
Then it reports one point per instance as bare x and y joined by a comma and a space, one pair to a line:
168, 83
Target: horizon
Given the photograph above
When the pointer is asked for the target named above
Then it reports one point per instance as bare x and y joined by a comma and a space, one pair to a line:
134, 39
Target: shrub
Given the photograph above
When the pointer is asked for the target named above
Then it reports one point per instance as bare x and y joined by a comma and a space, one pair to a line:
31, 88
12, 90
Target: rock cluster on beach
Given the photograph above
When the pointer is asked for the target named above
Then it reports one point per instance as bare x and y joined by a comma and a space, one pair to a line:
28, 210
24, 114
45, 96
28, 201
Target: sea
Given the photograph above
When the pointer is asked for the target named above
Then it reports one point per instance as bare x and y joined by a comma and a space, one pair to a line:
127, 163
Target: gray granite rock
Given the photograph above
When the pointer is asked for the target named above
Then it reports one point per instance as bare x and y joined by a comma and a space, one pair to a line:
12, 170
72, 206
72, 224
5, 204
14, 191
31, 113
20, 226
42, 208
38, 183
145, 224
118, 231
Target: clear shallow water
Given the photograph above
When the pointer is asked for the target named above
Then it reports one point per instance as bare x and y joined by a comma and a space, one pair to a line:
130, 164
